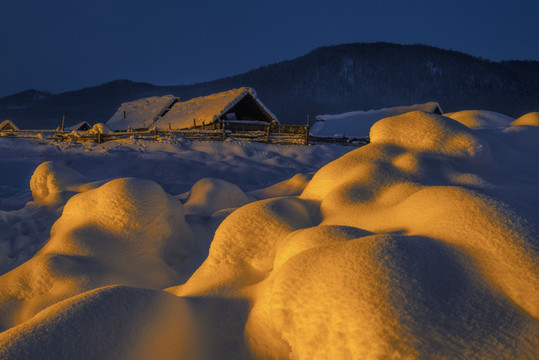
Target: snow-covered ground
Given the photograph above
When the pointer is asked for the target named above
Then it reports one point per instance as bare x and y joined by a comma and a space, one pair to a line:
175, 165
422, 244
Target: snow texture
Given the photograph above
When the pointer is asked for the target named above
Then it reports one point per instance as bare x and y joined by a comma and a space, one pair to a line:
356, 124
421, 244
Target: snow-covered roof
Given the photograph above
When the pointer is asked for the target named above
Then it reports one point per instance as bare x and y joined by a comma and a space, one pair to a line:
140, 113
8, 125
207, 109
358, 123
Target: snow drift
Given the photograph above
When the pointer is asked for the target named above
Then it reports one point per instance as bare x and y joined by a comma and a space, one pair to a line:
422, 244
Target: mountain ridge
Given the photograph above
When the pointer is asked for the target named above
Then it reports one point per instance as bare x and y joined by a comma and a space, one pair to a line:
329, 79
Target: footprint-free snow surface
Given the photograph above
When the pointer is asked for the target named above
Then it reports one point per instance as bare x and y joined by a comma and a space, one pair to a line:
422, 244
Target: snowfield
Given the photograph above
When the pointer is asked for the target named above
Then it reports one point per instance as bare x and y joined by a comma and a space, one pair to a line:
422, 244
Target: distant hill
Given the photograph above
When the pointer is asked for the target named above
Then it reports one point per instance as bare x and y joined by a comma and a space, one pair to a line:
23, 99
331, 79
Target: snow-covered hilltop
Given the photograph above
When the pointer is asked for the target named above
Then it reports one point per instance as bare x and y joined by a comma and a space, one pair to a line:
421, 244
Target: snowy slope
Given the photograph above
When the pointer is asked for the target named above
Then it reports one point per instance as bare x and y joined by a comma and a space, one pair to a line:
356, 124
140, 113
421, 244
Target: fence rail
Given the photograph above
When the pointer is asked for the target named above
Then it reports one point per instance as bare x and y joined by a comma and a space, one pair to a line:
274, 134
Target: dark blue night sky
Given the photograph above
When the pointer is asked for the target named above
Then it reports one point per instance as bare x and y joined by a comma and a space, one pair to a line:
61, 45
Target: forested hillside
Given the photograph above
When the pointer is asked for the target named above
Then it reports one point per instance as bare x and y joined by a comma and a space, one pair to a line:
332, 79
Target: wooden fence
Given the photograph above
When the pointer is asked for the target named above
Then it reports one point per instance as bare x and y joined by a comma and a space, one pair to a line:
273, 134
246, 126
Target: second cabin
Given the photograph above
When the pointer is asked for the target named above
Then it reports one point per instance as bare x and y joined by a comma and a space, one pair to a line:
7, 125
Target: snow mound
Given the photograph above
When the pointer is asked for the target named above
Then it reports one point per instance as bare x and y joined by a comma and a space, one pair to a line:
530, 119
420, 131
411, 233
445, 247
421, 244
209, 195
481, 119
53, 183
126, 232
244, 246
385, 296
290, 187
317, 236
109, 323
99, 128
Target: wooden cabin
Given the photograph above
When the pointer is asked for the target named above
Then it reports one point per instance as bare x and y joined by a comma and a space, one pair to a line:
7, 125
82, 126
236, 110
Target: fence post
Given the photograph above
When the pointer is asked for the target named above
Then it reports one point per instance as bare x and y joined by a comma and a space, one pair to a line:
63, 122
307, 132
267, 133
155, 134
99, 138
